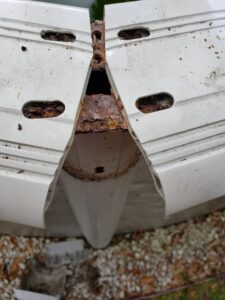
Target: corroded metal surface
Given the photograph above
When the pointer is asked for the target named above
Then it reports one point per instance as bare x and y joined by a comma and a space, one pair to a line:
100, 112
98, 38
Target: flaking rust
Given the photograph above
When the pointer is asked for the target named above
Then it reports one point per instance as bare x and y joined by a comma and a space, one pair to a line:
98, 39
100, 112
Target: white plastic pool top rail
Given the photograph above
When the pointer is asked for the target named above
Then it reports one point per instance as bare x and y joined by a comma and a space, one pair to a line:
166, 62
180, 57
37, 69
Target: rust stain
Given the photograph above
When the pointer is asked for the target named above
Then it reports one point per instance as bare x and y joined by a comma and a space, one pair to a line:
98, 39
43, 109
100, 113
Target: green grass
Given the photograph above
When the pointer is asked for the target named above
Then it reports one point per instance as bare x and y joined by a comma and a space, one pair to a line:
96, 6
211, 290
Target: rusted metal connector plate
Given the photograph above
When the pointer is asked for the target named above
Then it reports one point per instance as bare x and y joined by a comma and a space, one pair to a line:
98, 38
101, 111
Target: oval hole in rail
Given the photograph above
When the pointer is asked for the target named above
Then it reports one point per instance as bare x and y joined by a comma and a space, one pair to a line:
154, 103
64, 37
133, 33
43, 109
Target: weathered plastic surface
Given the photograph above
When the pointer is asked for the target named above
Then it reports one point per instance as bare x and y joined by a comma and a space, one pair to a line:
183, 56
45, 55
98, 174
26, 295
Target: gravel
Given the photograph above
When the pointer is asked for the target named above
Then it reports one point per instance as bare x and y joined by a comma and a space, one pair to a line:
134, 265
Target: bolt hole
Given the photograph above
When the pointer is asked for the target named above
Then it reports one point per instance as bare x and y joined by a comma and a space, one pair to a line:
43, 109
97, 58
23, 48
97, 34
154, 103
133, 33
58, 36
99, 170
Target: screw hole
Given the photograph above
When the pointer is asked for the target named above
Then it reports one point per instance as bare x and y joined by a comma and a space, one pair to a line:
99, 170
58, 36
133, 33
23, 48
97, 58
43, 109
154, 103
97, 34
